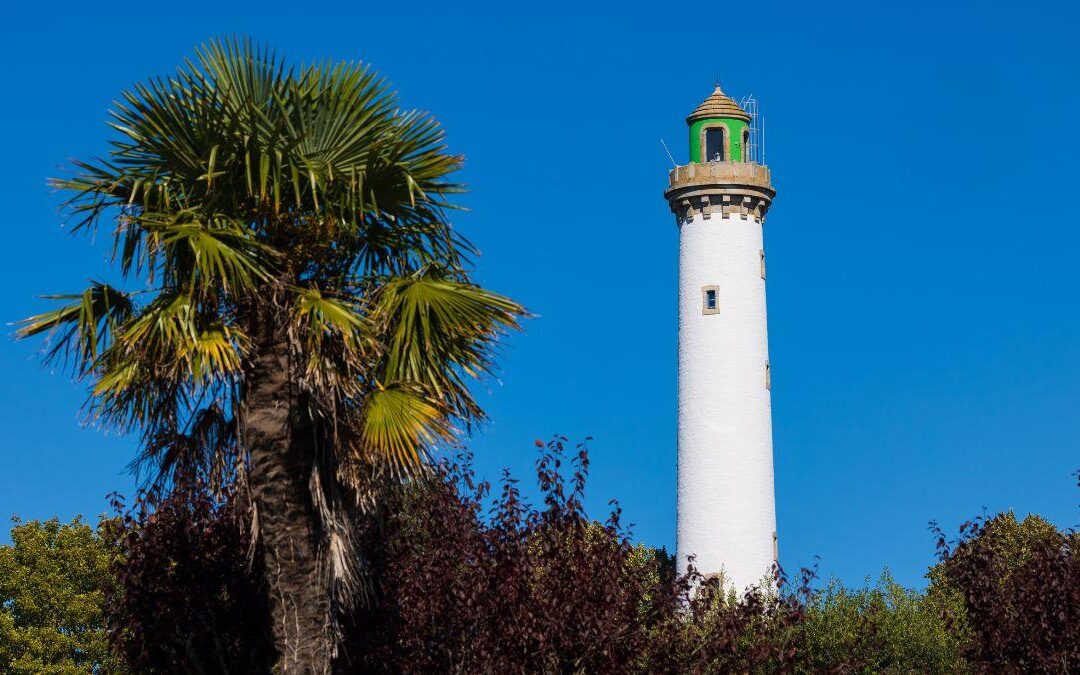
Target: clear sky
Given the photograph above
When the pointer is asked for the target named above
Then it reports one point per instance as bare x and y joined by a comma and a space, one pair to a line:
923, 279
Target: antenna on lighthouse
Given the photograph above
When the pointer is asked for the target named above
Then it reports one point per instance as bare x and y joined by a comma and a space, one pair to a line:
756, 151
673, 163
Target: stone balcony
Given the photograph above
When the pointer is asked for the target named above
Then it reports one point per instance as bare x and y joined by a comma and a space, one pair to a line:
724, 188
747, 174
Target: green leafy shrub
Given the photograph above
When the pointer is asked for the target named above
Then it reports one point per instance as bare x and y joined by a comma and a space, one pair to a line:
460, 582
886, 628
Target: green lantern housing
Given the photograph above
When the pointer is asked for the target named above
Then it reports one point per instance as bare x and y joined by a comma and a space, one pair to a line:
719, 130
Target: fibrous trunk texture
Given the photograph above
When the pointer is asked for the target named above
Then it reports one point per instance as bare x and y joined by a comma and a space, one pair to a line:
274, 433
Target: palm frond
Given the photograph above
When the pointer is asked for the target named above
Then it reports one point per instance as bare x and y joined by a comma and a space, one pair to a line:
399, 427
214, 354
205, 254
167, 342
205, 452
85, 325
440, 329
337, 347
318, 315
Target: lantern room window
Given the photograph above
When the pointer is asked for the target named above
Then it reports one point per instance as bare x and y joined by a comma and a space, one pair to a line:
714, 144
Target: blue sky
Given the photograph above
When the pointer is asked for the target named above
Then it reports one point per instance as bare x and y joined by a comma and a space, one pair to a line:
923, 282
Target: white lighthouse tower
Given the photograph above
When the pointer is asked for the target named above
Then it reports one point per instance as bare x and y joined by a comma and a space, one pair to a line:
726, 505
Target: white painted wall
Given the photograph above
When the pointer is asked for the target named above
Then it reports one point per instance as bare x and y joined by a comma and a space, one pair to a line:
726, 508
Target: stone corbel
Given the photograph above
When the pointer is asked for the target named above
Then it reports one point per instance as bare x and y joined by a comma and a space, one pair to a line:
686, 210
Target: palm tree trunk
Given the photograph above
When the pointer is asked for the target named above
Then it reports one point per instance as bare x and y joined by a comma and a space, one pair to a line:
287, 526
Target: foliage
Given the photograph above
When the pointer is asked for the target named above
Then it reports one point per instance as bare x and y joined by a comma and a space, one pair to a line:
719, 632
189, 595
885, 628
53, 578
242, 188
1020, 585
527, 589
458, 592
462, 582
456, 586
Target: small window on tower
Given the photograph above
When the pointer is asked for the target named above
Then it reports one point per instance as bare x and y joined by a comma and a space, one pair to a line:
762, 254
768, 376
714, 144
745, 145
710, 300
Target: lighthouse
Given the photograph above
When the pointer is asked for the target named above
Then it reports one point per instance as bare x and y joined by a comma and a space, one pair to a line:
726, 503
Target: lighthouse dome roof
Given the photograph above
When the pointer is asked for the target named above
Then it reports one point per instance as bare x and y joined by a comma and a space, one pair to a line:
718, 104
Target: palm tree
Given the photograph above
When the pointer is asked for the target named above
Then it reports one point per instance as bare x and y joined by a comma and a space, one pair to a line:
304, 326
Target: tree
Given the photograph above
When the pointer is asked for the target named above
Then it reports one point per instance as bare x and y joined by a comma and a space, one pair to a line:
52, 580
310, 324
1019, 582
